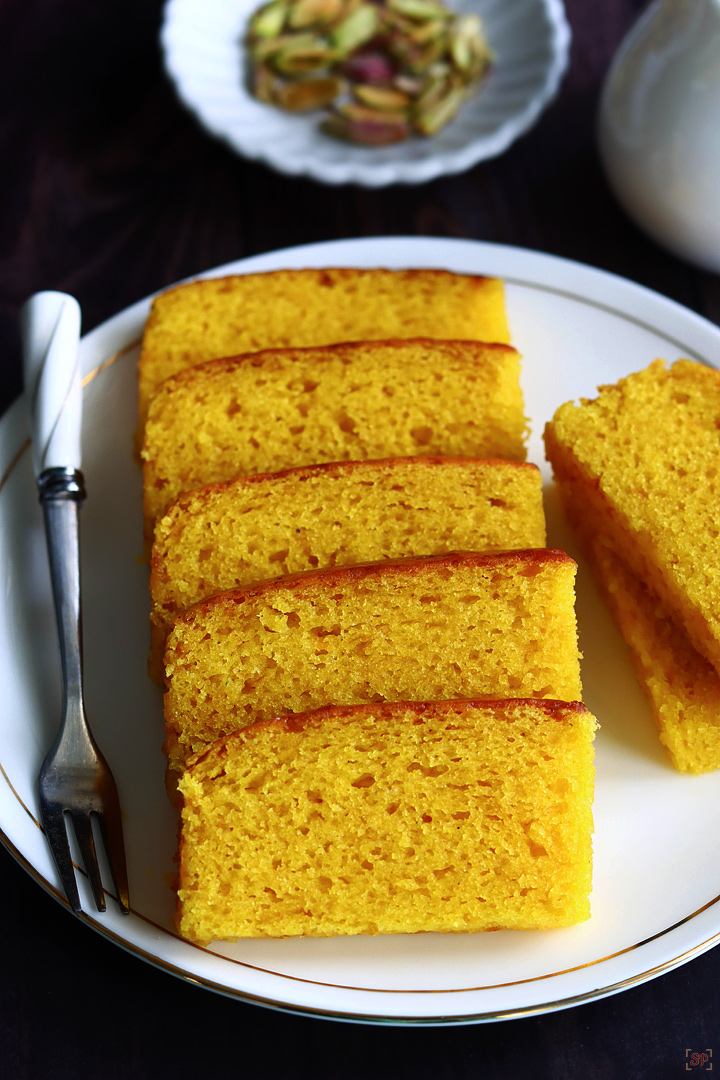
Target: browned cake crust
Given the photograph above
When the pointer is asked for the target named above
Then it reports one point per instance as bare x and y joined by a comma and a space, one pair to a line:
339, 468
402, 629
295, 722
233, 534
534, 558
212, 317
327, 277
282, 408
296, 354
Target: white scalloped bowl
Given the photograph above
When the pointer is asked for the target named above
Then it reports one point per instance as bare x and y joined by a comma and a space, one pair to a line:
204, 55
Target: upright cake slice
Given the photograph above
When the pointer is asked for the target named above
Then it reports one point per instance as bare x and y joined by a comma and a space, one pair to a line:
640, 464
460, 625
683, 688
383, 819
227, 316
263, 526
289, 407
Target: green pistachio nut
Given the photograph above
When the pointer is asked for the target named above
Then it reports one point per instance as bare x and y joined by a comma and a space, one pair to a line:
358, 28
430, 120
269, 20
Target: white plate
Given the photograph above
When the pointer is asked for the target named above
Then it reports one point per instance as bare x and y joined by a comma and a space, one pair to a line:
656, 898
204, 56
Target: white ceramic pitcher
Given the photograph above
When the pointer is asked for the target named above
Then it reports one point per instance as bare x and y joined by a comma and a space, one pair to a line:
659, 127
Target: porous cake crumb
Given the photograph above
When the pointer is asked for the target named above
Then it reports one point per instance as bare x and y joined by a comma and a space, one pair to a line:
285, 408
452, 816
683, 688
226, 316
425, 629
264, 526
641, 465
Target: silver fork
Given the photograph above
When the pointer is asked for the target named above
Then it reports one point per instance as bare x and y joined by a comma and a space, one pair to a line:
75, 780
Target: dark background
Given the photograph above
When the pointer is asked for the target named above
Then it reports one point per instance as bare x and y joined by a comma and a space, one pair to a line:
111, 191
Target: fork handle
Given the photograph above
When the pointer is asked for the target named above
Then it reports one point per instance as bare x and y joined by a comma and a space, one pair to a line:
50, 324
62, 490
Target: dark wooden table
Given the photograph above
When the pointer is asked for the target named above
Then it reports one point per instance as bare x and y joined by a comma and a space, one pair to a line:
110, 191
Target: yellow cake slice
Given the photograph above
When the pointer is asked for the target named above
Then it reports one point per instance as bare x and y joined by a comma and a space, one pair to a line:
226, 316
422, 629
289, 407
643, 459
263, 526
683, 688
451, 816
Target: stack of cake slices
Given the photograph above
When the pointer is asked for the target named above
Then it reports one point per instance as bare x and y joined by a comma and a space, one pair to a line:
370, 658
638, 469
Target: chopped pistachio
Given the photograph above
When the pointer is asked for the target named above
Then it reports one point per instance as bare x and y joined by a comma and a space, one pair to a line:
412, 85
357, 29
300, 57
386, 67
420, 9
362, 114
427, 55
465, 36
265, 84
381, 97
430, 120
434, 88
428, 31
378, 131
304, 13
269, 20
392, 21
264, 48
302, 95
